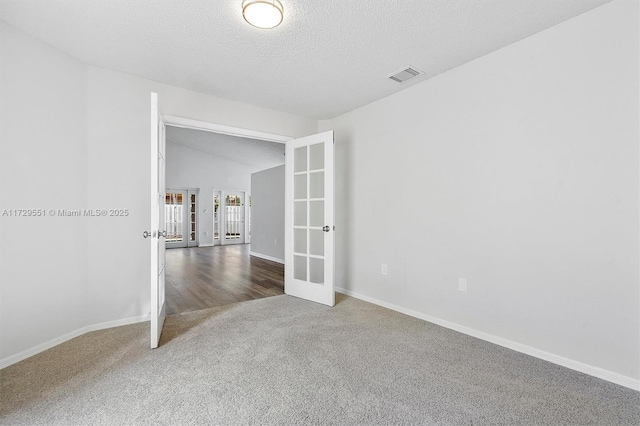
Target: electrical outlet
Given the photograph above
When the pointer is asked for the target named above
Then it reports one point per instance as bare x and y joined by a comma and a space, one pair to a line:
383, 269
462, 284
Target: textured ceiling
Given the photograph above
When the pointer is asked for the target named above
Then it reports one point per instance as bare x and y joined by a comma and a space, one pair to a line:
259, 154
328, 57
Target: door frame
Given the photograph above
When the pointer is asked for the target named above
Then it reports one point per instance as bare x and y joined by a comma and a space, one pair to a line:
187, 123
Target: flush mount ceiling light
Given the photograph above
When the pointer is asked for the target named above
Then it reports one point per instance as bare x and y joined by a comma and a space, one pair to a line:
262, 13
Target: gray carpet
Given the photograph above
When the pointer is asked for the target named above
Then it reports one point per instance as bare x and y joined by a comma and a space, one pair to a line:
282, 360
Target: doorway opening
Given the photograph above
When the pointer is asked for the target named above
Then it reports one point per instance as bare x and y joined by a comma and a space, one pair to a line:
211, 261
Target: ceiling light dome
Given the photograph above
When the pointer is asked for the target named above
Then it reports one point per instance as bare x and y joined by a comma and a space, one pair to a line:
263, 13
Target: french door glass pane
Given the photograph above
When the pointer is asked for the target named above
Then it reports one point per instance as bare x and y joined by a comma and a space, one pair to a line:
316, 270
300, 187
300, 159
316, 242
300, 213
316, 213
316, 156
316, 185
300, 267
300, 241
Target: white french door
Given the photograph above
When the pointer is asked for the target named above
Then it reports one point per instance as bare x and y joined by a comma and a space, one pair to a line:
157, 221
309, 219
233, 228
181, 217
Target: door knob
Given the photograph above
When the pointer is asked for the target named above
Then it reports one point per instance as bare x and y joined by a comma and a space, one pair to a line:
326, 228
146, 234
162, 233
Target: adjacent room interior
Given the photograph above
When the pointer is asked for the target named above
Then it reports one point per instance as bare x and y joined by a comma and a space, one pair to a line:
222, 247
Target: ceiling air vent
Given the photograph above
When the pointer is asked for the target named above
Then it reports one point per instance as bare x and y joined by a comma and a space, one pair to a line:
404, 75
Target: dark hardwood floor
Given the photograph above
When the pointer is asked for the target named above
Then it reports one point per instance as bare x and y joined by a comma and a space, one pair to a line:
205, 277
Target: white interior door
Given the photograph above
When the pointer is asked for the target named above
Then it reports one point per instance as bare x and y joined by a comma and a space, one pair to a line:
309, 219
233, 217
158, 231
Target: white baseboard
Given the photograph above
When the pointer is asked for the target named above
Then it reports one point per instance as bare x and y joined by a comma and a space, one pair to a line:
591, 370
206, 245
12, 359
264, 256
118, 323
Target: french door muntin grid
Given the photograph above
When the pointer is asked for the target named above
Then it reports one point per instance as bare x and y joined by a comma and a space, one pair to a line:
308, 234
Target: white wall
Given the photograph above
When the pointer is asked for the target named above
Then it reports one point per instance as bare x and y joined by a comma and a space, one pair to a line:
77, 136
190, 168
517, 171
42, 166
267, 213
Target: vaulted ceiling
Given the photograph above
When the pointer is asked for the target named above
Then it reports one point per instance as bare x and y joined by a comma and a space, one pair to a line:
255, 153
327, 57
